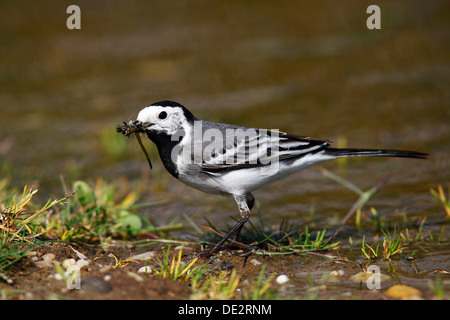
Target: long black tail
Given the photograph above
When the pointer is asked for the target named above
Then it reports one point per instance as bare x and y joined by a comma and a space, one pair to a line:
347, 152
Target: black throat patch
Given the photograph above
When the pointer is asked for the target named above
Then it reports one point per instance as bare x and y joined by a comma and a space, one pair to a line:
166, 145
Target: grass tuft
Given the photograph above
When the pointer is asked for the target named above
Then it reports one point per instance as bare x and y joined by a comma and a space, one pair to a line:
174, 268
389, 247
441, 197
90, 213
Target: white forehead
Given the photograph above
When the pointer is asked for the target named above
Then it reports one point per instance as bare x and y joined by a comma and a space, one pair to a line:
150, 113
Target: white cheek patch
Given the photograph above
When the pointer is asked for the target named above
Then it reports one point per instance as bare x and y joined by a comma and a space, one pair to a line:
171, 125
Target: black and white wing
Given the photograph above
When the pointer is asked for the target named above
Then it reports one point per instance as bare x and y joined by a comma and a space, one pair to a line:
255, 147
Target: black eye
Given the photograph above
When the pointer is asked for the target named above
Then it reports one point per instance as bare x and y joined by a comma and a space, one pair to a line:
162, 115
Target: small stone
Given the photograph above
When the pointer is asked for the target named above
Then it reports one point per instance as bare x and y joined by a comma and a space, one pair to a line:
361, 276
135, 276
57, 276
48, 257
334, 273
282, 279
255, 262
144, 256
31, 253
145, 269
364, 276
106, 268
82, 263
68, 262
404, 292
43, 264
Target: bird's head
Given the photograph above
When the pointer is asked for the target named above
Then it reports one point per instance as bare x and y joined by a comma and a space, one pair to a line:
160, 121
165, 117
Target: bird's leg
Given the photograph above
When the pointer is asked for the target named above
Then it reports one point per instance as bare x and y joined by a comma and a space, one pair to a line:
241, 201
250, 200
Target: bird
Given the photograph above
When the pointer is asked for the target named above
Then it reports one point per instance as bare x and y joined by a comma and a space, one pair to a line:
233, 160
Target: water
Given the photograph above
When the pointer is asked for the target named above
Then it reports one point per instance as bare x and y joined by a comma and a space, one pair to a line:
311, 69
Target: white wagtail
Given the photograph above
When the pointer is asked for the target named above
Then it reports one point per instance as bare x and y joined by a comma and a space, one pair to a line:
232, 160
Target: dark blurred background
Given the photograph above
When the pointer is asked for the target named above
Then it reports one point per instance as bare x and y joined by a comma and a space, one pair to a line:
309, 68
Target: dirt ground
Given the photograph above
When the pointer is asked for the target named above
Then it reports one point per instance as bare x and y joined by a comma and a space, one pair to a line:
100, 279
34, 278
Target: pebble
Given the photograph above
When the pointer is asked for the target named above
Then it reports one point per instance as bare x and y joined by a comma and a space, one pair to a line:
135, 276
68, 262
364, 276
105, 269
82, 263
144, 256
335, 273
47, 260
43, 264
255, 262
57, 276
404, 292
333, 276
49, 257
282, 279
145, 269
361, 276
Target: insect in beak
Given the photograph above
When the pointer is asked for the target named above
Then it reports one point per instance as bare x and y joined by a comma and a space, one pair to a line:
135, 127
